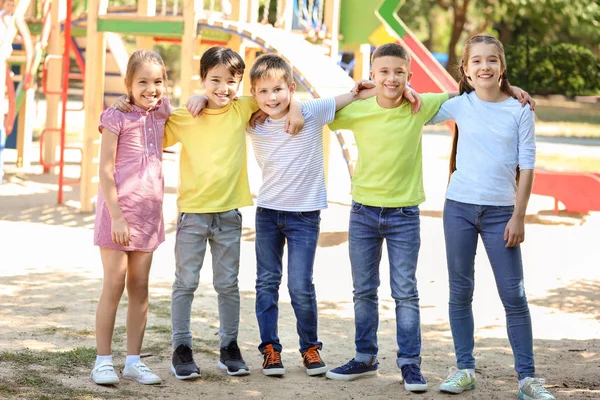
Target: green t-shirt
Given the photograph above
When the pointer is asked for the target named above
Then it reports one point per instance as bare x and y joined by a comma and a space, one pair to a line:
389, 170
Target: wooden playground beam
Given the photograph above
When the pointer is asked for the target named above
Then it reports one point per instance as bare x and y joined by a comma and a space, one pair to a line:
94, 104
146, 8
168, 26
188, 47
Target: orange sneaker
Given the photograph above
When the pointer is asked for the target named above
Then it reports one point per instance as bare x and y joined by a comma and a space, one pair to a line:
313, 362
272, 365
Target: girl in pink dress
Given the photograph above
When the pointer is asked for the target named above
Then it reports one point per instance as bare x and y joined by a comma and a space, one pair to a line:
129, 222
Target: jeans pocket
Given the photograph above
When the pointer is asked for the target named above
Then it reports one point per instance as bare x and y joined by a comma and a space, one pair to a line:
356, 207
238, 216
410, 212
181, 219
311, 217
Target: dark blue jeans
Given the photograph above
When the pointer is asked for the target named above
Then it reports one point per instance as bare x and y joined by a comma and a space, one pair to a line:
400, 227
463, 223
301, 232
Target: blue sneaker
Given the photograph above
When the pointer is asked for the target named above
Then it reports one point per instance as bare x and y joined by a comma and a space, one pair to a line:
353, 370
413, 379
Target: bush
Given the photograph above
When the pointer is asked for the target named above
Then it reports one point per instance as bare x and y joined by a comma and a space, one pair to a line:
562, 68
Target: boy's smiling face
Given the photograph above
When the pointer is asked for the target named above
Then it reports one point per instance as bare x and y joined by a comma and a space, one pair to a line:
390, 74
220, 86
273, 95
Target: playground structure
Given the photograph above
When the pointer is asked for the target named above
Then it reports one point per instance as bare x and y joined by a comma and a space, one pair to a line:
96, 36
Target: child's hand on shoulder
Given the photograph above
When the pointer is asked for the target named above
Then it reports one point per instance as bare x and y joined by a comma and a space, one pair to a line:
259, 117
414, 98
196, 105
362, 86
122, 104
523, 97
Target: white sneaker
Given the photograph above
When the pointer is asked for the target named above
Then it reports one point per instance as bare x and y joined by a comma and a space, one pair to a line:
104, 374
140, 373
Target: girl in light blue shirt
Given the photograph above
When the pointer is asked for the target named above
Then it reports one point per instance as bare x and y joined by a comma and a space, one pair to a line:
491, 177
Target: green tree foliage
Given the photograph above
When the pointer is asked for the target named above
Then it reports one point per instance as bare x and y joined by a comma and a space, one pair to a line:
546, 23
553, 69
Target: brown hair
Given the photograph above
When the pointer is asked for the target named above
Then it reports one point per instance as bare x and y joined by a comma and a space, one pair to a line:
465, 87
391, 49
219, 55
271, 66
140, 57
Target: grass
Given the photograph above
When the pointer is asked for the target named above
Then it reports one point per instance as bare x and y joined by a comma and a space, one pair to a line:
33, 385
60, 309
557, 162
53, 330
160, 329
61, 361
160, 308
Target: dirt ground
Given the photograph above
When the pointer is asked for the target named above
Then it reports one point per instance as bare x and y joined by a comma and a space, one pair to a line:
50, 281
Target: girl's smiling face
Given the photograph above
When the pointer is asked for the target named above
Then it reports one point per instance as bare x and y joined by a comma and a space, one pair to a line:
147, 85
484, 66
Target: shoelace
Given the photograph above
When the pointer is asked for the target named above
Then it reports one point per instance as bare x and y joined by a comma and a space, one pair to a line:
455, 375
352, 364
273, 357
412, 372
312, 355
536, 385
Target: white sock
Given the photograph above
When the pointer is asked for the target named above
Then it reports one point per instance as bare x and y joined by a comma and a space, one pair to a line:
99, 359
471, 372
131, 360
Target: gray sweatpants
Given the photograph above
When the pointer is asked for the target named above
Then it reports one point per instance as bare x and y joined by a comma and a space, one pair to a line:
223, 232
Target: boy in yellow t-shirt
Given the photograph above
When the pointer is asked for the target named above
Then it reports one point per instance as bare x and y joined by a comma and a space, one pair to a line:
213, 185
387, 189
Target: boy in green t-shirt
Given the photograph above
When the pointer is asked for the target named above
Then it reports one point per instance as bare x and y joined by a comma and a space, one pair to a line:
387, 189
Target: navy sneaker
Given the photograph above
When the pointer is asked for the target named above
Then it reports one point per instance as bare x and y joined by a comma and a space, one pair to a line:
353, 370
413, 378
231, 360
183, 365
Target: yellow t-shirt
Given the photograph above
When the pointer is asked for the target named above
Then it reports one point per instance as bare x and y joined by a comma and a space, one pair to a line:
213, 172
389, 170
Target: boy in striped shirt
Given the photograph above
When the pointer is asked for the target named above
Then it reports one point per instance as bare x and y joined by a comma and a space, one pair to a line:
288, 209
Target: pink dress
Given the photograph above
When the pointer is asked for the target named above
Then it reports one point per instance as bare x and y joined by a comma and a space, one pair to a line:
138, 176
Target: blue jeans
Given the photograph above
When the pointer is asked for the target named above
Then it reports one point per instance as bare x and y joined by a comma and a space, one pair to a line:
301, 232
462, 225
401, 229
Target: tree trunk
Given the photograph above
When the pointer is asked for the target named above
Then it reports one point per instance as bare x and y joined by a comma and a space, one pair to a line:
458, 25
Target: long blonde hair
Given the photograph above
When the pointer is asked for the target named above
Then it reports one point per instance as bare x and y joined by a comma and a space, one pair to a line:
465, 87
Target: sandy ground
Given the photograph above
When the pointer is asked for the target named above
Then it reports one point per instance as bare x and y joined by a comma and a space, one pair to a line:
50, 280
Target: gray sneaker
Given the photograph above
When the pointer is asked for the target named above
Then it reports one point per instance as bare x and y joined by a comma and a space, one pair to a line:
534, 389
183, 365
231, 360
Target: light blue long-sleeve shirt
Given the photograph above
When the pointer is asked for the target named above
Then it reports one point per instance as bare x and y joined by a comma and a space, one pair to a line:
494, 138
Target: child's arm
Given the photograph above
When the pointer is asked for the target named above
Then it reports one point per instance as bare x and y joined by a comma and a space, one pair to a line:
108, 151
514, 233
196, 104
411, 95
523, 97
294, 121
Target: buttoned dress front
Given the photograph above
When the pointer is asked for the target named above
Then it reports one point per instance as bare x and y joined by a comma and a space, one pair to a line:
138, 176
